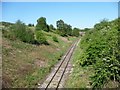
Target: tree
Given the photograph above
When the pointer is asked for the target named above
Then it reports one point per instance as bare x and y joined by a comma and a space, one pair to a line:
42, 25
76, 32
31, 25
68, 29
60, 24
86, 29
51, 27
63, 28
48, 29
60, 27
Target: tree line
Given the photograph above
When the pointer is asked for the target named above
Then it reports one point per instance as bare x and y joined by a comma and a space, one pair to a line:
22, 32
62, 28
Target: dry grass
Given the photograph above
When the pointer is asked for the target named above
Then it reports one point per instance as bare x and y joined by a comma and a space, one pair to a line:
64, 39
24, 65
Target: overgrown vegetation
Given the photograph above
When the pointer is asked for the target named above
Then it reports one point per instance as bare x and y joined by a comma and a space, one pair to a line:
26, 65
66, 30
75, 32
41, 38
29, 53
99, 49
6, 24
19, 31
55, 38
24, 33
79, 78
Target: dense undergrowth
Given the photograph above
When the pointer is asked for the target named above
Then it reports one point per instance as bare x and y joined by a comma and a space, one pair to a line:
101, 50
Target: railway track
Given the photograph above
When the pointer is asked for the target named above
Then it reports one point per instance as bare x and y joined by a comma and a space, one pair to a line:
54, 80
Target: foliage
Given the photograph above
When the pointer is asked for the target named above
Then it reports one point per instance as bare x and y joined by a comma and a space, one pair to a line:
63, 28
55, 38
31, 25
51, 27
100, 49
22, 61
42, 25
8, 34
40, 37
75, 32
20, 31
60, 27
103, 24
29, 37
6, 24
68, 29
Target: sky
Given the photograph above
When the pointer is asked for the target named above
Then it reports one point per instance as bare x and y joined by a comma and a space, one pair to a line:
77, 14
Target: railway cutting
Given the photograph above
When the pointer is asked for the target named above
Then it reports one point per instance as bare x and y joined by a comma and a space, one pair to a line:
61, 71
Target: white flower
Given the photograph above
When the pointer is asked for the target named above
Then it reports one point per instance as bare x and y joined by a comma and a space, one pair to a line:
104, 58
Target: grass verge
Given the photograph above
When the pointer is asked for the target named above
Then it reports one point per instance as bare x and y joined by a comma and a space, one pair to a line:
79, 78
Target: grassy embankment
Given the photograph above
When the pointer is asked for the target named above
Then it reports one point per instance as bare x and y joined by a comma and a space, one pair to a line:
96, 59
25, 65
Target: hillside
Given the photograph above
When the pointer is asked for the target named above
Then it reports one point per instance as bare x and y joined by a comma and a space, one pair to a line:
26, 64
97, 58
60, 45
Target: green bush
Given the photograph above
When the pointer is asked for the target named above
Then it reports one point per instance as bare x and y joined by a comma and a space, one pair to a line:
55, 38
21, 32
40, 37
75, 32
29, 37
100, 49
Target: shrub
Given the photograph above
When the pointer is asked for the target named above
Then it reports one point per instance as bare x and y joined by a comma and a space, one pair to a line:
21, 32
100, 49
29, 37
55, 38
41, 38
75, 32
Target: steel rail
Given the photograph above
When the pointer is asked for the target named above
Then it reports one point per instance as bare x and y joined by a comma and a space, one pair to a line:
63, 60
